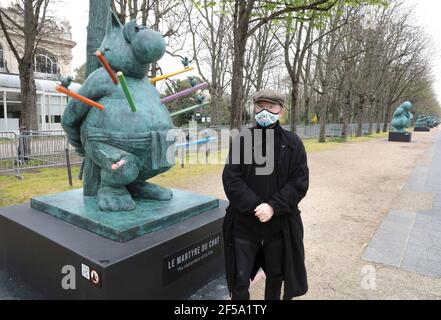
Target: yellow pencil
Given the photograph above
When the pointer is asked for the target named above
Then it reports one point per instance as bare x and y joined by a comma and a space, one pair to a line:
167, 76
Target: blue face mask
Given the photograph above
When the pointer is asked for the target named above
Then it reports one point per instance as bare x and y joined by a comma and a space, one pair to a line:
266, 119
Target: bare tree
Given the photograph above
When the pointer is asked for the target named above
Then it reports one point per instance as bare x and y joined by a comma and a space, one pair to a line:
262, 57
28, 19
362, 71
209, 29
247, 19
301, 44
164, 16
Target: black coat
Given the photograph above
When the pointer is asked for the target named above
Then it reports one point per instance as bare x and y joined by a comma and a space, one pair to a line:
293, 183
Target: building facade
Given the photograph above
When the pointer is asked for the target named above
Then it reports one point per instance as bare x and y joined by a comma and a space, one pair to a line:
53, 60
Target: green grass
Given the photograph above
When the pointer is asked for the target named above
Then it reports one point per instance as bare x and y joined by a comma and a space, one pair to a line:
312, 145
53, 180
34, 183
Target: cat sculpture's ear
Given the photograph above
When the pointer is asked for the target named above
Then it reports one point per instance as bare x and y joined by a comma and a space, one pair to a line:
113, 23
130, 30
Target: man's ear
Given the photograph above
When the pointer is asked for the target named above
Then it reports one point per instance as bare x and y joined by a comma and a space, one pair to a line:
113, 23
282, 114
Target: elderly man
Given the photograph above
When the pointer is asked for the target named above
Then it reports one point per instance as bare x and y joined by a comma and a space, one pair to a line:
263, 227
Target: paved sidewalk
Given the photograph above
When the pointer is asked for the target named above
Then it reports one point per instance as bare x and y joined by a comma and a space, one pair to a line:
410, 240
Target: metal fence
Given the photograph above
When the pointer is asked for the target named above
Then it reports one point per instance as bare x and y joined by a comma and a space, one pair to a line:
8, 152
332, 130
33, 150
313, 131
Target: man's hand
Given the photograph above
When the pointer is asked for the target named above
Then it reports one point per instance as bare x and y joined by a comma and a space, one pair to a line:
264, 212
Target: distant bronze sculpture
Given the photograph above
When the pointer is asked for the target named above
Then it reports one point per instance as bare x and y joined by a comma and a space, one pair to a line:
422, 122
402, 117
432, 122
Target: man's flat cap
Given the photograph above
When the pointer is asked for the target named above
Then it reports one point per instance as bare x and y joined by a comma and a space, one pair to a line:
270, 96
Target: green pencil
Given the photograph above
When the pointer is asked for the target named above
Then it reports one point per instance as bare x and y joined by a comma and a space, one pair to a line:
126, 90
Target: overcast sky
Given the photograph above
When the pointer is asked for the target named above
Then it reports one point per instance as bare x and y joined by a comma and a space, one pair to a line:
427, 15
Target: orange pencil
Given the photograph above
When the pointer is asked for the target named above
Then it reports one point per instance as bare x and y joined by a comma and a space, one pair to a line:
80, 98
107, 66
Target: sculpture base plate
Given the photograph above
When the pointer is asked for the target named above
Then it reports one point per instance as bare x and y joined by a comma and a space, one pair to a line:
149, 216
400, 136
422, 129
172, 263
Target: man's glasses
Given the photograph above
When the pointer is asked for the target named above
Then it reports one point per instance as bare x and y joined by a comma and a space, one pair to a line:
273, 108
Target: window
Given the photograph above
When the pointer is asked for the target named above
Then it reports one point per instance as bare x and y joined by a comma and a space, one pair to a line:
2, 106
55, 119
13, 97
40, 98
14, 104
46, 63
2, 58
53, 109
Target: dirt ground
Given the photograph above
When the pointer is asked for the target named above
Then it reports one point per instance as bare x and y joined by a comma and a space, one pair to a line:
352, 189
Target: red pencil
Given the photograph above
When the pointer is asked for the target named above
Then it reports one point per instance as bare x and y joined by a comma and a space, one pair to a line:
80, 98
107, 66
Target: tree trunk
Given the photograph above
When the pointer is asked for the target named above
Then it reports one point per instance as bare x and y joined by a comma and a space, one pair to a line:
380, 116
28, 117
237, 88
306, 87
307, 109
216, 103
133, 8
325, 80
371, 117
346, 113
387, 119
96, 30
154, 68
242, 14
294, 106
323, 111
360, 117
324, 100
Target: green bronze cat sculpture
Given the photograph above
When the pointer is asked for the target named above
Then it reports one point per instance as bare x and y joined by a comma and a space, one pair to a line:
122, 149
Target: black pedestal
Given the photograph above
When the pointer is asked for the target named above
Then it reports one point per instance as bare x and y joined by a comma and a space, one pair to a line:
422, 129
170, 264
400, 136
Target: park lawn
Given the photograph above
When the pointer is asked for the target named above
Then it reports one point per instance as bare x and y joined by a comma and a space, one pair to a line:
312, 145
34, 183
53, 180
